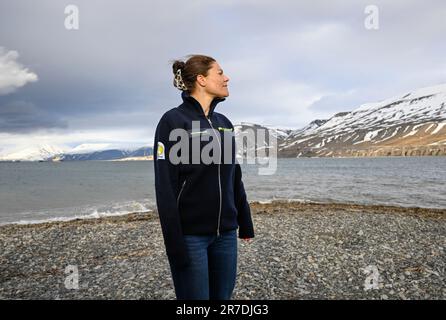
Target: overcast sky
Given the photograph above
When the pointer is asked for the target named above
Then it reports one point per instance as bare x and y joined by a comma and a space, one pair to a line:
289, 62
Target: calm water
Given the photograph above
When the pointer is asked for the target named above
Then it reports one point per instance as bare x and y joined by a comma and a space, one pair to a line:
37, 191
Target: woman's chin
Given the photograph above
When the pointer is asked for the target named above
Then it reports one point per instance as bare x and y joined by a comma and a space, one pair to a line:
221, 93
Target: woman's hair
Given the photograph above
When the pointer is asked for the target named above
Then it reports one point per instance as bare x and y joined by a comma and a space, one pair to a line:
185, 73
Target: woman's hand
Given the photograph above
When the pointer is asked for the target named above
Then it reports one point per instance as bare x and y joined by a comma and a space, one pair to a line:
247, 239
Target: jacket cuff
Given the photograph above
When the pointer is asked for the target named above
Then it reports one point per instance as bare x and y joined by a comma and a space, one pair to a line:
244, 234
246, 228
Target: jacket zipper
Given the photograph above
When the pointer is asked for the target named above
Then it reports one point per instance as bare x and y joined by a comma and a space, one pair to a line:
179, 194
219, 178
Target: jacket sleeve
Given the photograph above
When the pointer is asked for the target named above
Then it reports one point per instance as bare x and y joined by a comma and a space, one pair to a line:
166, 186
246, 228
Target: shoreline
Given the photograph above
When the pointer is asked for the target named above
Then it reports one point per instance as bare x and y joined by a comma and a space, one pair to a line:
296, 204
300, 251
281, 157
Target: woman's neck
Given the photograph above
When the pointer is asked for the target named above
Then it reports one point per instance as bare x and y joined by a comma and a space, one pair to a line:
204, 99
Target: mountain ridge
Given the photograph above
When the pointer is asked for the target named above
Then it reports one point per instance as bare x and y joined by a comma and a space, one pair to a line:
409, 124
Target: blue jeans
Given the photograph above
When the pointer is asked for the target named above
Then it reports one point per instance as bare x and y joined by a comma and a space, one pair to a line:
212, 271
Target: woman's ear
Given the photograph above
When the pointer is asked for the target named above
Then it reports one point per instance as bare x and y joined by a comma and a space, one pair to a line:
201, 80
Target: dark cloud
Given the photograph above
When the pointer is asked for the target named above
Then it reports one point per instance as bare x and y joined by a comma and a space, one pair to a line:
25, 117
115, 68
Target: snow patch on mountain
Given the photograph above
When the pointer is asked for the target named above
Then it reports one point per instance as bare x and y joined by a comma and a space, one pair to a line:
439, 127
38, 152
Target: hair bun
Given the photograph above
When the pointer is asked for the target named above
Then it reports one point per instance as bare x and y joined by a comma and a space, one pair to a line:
178, 65
185, 72
178, 81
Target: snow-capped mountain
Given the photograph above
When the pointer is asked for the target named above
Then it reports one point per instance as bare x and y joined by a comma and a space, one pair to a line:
110, 154
35, 153
420, 106
250, 140
413, 123
47, 152
313, 125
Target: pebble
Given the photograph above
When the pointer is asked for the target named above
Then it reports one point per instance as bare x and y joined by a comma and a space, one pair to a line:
318, 254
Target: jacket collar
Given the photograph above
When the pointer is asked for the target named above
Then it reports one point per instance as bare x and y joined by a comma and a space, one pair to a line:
196, 106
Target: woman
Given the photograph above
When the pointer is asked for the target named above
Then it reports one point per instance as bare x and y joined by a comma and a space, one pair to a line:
200, 204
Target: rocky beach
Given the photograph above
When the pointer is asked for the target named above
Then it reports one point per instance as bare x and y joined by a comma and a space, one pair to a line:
300, 251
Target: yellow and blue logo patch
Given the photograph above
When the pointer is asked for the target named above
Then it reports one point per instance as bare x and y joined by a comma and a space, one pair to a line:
160, 151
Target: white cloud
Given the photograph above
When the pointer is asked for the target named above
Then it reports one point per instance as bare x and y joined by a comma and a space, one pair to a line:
89, 147
257, 89
289, 62
13, 75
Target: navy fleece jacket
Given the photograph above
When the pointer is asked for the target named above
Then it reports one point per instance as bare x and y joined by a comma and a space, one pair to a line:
198, 198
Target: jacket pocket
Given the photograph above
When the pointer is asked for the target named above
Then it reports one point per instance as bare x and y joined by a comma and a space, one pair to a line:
179, 194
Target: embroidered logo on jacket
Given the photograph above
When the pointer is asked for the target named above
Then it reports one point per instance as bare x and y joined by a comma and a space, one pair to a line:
224, 129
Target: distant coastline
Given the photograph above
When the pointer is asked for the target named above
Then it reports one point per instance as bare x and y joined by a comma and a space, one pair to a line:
357, 155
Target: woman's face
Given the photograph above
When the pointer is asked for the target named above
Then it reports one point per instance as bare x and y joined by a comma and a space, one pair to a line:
216, 81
